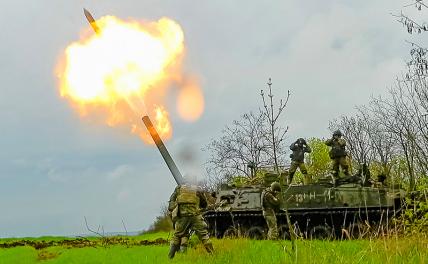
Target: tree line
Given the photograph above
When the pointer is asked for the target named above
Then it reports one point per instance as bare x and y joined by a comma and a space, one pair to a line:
389, 133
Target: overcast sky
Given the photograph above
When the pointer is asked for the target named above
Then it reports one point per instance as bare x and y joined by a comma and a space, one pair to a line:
56, 168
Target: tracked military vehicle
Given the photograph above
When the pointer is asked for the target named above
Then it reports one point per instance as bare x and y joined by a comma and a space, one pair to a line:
324, 209
318, 210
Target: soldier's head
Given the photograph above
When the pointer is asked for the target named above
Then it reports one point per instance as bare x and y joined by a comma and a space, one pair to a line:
337, 134
301, 141
275, 186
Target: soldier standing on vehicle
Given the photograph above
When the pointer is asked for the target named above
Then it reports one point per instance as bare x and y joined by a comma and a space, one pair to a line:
299, 149
271, 201
186, 201
338, 153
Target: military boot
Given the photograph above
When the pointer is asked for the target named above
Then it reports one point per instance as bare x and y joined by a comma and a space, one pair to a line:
173, 248
183, 248
184, 244
209, 247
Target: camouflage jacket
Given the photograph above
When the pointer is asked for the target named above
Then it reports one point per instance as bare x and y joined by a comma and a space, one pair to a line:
188, 200
337, 147
270, 200
299, 151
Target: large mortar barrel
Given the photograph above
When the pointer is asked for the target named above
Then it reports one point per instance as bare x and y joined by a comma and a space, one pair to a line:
163, 151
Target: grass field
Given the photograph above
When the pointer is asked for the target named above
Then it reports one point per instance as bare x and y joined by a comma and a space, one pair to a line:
388, 250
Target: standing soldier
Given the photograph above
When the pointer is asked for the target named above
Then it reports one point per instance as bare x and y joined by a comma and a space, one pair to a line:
299, 149
186, 201
270, 204
338, 154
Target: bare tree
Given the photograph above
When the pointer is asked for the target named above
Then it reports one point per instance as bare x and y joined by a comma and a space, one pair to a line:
416, 112
397, 125
416, 76
241, 144
396, 117
381, 141
277, 133
254, 141
412, 26
390, 127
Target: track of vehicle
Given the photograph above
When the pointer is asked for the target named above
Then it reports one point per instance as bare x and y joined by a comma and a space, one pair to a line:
309, 223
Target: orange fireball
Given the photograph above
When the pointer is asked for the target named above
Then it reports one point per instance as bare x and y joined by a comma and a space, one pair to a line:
123, 72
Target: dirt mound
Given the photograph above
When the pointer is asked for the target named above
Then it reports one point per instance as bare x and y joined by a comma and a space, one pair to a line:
83, 242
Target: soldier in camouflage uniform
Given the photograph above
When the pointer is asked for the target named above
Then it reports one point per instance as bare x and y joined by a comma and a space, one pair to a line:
338, 153
299, 149
270, 204
186, 201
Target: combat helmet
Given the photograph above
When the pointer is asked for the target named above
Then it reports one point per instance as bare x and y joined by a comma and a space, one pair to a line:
337, 133
275, 186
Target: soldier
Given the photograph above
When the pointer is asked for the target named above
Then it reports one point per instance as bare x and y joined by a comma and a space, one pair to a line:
270, 204
364, 174
299, 149
338, 154
186, 201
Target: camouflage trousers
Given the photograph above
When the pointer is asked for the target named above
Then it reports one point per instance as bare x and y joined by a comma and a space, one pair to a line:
340, 162
272, 226
184, 242
184, 224
293, 167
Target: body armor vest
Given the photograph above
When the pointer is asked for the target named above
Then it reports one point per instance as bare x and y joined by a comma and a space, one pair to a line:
337, 149
187, 196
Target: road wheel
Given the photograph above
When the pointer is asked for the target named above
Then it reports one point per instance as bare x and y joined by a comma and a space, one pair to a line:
255, 232
321, 232
231, 232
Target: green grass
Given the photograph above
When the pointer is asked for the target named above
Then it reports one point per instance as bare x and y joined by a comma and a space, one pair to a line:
153, 236
391, 250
